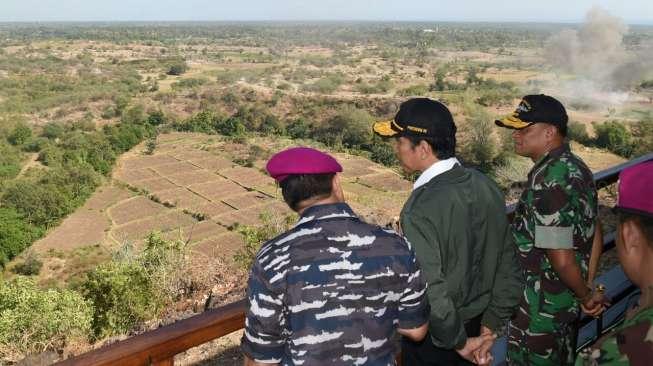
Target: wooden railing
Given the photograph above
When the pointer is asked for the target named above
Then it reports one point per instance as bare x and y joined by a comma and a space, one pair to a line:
158, 347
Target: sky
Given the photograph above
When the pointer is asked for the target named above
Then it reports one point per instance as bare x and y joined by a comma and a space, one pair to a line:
632, 11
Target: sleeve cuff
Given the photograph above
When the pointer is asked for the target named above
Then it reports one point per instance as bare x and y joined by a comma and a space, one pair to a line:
493, 322
461, 343
262, 354
414, 318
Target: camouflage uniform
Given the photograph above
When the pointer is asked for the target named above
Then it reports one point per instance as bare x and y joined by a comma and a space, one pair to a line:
332, 291
630, 344
557, 210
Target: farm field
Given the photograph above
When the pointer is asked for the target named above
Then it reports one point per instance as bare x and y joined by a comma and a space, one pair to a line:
190, 188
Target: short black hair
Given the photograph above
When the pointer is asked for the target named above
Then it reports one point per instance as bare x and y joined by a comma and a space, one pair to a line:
299, 187
644, 222
444, 146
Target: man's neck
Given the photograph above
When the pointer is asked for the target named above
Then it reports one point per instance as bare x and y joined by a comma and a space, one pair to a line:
549, 147
306, 204
427, 163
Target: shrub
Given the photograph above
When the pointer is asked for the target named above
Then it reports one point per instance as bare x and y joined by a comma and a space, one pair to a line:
135, 114
16, 234
156, 118
30, 266
150, 145
53, 130
33, 320
230, 127
480, 147
123, 296
201, 122
10, 158
271, 226
41, 205
644, 132
133, 288
20, 134
349, 127
298, 129
614, 136
383, 153
326, 85
177, 68
271, 126
578, 132
414, 90
189, 83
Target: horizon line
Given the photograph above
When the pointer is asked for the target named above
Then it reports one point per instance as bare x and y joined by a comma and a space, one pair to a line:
578, 21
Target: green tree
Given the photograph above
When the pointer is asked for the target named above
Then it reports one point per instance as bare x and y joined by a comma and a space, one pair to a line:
16, 234
349, 127
20, 134
298, 129
177, 68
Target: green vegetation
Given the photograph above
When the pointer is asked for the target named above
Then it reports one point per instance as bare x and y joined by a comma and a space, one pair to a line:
177, 68
34, 320
134, 287
10, 160
272, 225
615, 137
77, 161
578, 132
481, 148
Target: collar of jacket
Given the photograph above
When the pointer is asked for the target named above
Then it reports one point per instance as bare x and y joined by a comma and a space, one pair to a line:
552, 154
434, 170
454, 175
328, 211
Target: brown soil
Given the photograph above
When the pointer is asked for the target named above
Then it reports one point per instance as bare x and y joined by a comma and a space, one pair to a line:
87, 225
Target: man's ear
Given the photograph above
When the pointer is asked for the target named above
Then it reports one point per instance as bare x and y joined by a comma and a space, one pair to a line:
335, 182
425, 147
336, 188
631, 236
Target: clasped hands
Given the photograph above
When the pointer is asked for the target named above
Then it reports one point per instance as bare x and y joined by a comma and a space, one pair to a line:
477, 349
594, 304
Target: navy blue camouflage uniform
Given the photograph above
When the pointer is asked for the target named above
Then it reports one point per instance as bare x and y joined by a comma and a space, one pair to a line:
333, 290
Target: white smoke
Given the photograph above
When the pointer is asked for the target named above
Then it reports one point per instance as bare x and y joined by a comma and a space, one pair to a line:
603, 70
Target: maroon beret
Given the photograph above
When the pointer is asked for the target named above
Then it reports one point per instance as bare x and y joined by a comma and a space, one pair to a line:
636, 189
301, 160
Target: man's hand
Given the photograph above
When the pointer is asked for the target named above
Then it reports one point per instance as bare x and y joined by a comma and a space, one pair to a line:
482, 355
416, 334
473, 344
595, 304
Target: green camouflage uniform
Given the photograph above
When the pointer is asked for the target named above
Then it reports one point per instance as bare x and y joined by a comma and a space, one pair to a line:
630, 344
557, 210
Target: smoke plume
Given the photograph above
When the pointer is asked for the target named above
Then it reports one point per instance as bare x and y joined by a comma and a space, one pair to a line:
596, 55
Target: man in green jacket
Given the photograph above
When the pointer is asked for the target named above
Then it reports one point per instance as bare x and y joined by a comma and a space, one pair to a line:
455, 219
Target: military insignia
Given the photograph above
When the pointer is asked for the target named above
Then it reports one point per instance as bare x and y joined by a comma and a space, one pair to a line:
523, 107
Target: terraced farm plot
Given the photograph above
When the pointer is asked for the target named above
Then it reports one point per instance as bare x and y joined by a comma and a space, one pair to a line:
217, 190
134, 209
190, 189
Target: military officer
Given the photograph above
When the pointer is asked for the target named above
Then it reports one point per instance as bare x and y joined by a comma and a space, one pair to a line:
553, 228
333, 290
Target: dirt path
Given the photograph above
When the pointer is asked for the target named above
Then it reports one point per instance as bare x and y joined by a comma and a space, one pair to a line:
32, 161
